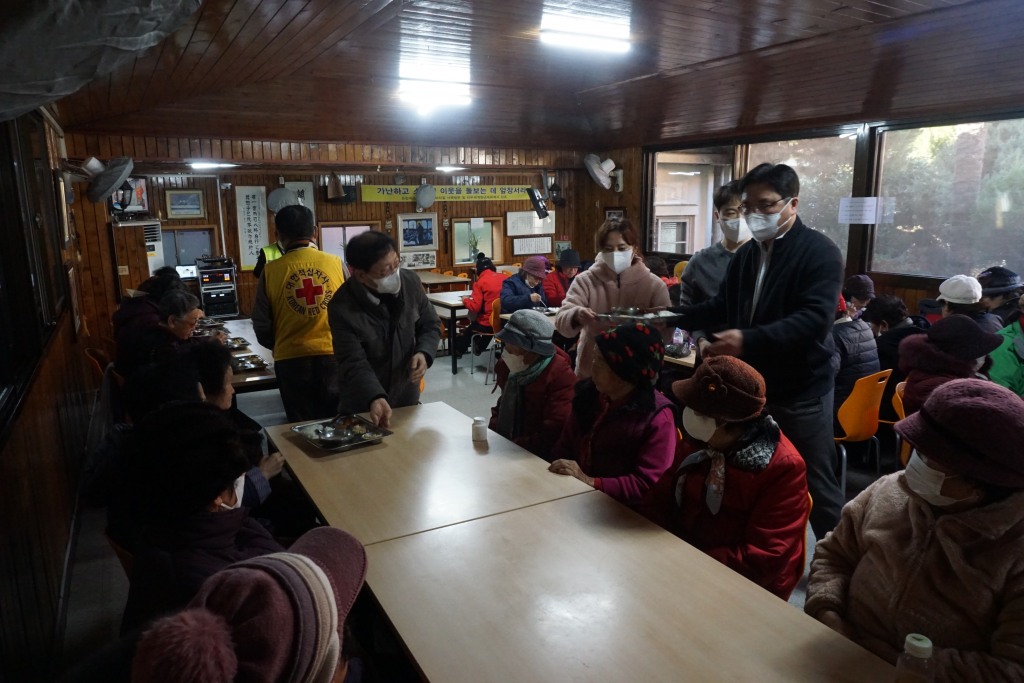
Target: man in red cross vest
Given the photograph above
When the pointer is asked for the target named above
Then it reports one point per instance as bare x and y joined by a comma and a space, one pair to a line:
289, 315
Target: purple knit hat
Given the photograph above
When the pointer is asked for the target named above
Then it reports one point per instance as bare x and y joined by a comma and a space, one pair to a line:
536, 266
974, 427
263, 620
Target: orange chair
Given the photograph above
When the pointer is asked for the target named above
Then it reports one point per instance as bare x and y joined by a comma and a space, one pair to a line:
423, 384
492, 356
897, 403
803, 553
99, 362
126, 559
449, 288
858, 416
435, 270
517, 265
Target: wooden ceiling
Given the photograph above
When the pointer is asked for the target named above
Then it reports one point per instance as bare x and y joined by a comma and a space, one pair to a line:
330, 69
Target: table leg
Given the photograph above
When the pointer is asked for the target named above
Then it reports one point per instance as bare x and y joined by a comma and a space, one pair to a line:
451, 343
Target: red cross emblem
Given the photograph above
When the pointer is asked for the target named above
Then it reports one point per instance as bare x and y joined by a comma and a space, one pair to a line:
309, 291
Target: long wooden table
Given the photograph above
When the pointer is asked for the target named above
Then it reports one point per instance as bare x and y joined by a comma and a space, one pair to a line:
429, 474
687, 362
432, 279
490, 568
254, 380
452, 302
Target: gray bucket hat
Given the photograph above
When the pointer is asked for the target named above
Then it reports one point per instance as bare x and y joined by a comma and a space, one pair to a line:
531, 330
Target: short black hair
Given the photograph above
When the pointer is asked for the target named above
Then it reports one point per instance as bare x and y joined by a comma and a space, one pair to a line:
780, 177
209, 362
295, 222
727, 194
366, 248
887, 308
161, 283
155, 384
656, 265
483, 263
192, 451
166, 271
964, 309
178, 303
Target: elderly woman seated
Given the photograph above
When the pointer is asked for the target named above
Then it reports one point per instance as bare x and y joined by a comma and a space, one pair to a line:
621, 435
738, 488
536, 382
144, 344
937, 549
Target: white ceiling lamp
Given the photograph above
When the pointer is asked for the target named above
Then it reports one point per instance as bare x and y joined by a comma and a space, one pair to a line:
583, 30
690, 173
202, 165
450, 169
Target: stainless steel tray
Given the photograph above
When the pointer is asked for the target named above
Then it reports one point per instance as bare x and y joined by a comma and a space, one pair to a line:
247, 363
664, 317
236, 343
207, 323
350, 431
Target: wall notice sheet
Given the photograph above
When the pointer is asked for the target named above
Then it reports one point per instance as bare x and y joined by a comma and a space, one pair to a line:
522, 223
251, 204
531, 245
858, 210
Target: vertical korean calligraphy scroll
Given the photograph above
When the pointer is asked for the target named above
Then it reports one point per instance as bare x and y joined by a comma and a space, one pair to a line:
252, 223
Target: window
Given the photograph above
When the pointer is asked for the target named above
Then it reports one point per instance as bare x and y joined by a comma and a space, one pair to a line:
825, 167
487, 239
685, 182
335, 236
952, 199
183, 247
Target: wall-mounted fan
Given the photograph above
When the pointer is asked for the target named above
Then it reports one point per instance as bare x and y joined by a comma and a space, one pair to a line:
104, 179
603, 172
280, 198
425, 196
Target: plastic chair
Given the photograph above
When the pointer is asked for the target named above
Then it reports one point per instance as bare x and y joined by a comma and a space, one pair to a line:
126, 559
517, 265
109, 346
803, 553
492, 349
423, 384
465, 275
680, 267
435, 270
897, 403
858, 416
99, 362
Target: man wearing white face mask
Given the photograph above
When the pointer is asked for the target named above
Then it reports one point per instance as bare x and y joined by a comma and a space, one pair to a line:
289, 316
777, 305
385, 331
937, 549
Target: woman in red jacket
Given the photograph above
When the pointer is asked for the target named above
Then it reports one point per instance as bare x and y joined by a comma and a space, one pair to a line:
486, 290
558, 283
536, 384
740, 494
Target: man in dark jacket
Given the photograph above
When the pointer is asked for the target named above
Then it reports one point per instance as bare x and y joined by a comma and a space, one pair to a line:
891, 323
856, 356
385, 331
778, 303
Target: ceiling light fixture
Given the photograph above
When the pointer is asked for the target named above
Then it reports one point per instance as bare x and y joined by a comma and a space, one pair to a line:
200, 165
584, 42
684, 172
429, 79
450, 169
585, 30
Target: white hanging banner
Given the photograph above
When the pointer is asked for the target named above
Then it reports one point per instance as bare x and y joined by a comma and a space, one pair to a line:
251, 206
304, 191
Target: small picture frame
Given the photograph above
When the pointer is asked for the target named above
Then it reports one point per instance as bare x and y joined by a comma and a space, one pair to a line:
418, 231
183, 205
419, 260
561, 246
60, 190
614, 213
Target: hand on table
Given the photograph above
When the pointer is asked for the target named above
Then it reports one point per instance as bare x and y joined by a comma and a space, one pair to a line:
570, 468
219, 336
837, 623
271, 464
729, 343
535, 298
417, 367
380, 412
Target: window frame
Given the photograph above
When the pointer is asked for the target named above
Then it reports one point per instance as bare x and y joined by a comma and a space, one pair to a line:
497, 239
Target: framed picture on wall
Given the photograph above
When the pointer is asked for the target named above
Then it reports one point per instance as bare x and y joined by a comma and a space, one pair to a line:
614, 213
335, 235
418, 231
185, 205
418, 260
561, 246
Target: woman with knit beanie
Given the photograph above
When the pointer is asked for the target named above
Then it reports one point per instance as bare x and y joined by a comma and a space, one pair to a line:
621, 434
738, 488
937, 549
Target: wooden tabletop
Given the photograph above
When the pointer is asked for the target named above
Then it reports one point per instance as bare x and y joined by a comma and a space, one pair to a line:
254, 380
447, 300
429, 474
687, 362
584, 589
429, 279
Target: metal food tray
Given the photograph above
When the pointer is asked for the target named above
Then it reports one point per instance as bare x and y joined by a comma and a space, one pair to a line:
236, 343
344, 437
208, 323
665, 317
247, 363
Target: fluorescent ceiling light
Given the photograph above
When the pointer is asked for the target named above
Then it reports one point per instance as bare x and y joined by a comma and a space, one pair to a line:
684, 172
583, 42
199, 165
431, 78
585, 30
450, 169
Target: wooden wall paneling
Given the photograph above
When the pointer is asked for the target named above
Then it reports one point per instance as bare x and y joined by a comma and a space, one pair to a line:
97, 274
591, 199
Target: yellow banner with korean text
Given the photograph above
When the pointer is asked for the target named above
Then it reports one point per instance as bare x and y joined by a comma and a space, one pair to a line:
447, 193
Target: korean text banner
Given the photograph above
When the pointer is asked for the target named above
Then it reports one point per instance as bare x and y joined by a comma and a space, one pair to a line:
447, 193
252, 223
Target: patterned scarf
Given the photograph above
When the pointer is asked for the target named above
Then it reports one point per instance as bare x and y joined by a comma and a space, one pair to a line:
509, 424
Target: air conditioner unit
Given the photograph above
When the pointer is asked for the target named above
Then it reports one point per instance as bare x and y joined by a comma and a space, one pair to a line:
138, 247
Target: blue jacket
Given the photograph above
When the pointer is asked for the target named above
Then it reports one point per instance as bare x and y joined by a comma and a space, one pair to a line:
515, 294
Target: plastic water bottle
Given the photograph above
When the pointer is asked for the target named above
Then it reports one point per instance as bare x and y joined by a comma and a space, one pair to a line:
915, 665
678, 336
479, 429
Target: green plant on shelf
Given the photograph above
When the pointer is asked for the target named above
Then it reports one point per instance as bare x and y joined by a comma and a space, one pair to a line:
474, 245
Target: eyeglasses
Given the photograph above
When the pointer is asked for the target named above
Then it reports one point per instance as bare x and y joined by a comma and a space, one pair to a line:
763, 207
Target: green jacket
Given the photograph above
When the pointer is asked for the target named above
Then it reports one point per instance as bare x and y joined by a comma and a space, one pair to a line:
1008, 360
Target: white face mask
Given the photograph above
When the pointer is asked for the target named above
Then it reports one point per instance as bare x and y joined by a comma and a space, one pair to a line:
515, 363
617, 260
390, 284
979, 362
927, 482
765, 226
735, 229
698, 426
239, 490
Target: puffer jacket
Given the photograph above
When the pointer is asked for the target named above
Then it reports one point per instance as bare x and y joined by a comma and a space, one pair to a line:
1008, 360
601, 290
515, 294
927, 368
894, 567
855, 356
486, 289
555, 287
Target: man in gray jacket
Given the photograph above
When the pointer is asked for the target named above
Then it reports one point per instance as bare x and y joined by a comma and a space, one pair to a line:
385, 331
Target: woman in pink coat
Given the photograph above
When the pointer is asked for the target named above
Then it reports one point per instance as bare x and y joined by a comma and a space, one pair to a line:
618, 279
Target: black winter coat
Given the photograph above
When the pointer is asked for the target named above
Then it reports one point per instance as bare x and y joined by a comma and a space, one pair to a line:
856, 356
789, 340
889, 359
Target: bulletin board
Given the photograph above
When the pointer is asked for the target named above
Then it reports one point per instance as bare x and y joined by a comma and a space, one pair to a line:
526, 223
531, 245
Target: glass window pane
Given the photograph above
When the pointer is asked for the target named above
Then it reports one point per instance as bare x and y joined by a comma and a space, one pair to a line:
825, 167
685, 181
192, 244
170, 248
952, 199
468, 244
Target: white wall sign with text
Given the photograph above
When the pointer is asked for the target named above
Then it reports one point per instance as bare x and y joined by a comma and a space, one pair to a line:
251, 207
858, 210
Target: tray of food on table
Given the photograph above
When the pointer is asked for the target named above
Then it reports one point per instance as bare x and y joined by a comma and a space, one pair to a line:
341, 433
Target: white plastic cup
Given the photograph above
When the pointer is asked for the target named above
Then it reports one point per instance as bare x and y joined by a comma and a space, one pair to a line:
479, 429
